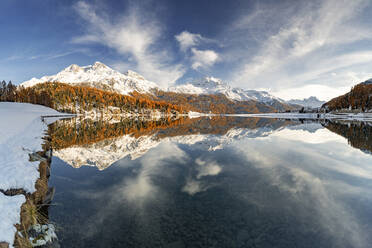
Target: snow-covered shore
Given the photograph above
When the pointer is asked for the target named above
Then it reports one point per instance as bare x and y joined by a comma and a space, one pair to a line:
329, 116
21, 132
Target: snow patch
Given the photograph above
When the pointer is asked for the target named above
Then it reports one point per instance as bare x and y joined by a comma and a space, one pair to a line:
193, 114
10, 210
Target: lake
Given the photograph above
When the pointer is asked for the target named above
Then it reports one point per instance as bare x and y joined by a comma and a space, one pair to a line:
211, 182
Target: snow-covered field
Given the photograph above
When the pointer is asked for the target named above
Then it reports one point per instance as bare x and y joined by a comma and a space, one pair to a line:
21, 132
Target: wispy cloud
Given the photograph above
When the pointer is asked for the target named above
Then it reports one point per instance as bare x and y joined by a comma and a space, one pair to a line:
134, 35
13, 58
47, 56
311, 34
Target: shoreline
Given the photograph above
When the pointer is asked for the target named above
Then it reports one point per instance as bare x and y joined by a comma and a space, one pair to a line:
39, 154
25, 154
311, 116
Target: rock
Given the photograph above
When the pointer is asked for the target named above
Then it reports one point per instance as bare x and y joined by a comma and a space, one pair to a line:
43, 236
36, 157
49, 196
4, 245
13, 192
48, 153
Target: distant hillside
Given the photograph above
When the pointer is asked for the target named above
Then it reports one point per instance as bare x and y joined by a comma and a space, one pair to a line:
358, 99
216, 103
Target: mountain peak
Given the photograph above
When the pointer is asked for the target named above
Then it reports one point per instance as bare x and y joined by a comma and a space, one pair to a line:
73, 68
312, 98
208, 82
99, 66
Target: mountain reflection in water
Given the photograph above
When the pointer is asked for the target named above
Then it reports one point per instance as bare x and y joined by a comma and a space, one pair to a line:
212, 182
100, 143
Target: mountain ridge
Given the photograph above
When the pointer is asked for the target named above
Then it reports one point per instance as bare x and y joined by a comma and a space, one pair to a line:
312, 102
212, 85
103, 77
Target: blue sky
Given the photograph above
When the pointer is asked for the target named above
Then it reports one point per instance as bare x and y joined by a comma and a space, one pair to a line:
294, 49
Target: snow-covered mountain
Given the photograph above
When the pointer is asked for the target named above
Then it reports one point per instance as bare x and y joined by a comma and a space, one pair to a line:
311, 102
103, 77
100, 76
211, 85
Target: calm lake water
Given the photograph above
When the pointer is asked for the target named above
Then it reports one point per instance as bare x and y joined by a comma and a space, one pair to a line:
218, 182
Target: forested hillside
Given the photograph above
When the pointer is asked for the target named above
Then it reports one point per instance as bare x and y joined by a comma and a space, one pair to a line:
82, 99
359, 98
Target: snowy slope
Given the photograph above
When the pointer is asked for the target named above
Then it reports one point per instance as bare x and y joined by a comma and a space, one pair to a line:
211, 85
311, 102
100, 76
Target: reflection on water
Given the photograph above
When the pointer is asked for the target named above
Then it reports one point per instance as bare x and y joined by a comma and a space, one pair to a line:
212, 182
358, 134
99, 143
